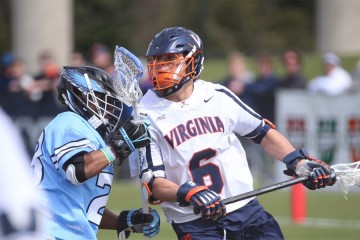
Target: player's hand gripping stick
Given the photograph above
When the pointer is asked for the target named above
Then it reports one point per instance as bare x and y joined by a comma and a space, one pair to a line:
299, 164
131, 136
138, 222
202, 199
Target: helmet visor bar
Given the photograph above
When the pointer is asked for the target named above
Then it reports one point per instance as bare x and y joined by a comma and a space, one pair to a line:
107, 108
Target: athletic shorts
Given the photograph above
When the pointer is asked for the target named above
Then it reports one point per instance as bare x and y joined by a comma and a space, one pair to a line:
250, 222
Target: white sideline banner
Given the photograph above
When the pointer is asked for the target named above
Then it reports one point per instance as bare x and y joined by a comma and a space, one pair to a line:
327, 126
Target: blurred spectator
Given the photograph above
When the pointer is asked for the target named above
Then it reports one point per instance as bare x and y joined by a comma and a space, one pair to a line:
12, 97
7, 59
238, 73
294, 77
238, 76
356, 77
48, 66
335, 79
260, 95
262, 91
49, 72
102, 58
22, 81
77, 59
47, 79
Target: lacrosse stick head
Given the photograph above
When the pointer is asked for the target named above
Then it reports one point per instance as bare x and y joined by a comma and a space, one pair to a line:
347, 175
128, 72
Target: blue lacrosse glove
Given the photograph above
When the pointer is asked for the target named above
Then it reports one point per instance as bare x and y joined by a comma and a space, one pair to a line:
202, 199
300, 163
138, 222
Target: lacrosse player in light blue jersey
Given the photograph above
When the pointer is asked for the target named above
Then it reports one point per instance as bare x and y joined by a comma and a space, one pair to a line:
74, 158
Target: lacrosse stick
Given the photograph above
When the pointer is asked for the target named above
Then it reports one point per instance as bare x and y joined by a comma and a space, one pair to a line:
347, 175
264, 190
129, 71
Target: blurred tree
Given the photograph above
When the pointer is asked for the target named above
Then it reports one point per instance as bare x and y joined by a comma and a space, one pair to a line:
255, 25
5, 33
130, 23
248, 25
105, 21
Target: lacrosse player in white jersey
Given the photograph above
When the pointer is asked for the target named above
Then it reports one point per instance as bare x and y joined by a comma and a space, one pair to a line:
21, 215
75, 156
195, 159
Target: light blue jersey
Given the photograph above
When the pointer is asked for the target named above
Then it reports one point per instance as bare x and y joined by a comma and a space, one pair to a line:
76, 209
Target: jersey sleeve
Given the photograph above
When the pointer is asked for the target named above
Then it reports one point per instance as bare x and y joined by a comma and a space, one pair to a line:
243, 119
66, 141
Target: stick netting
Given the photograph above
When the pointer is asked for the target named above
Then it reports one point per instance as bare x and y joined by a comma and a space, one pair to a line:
347, 175
128, 70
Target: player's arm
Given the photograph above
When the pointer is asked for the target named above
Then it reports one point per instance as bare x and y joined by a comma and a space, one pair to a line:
85, 165
108, 220
95, 162
276, 145
122, 142
298, 161
164, 190
133, 220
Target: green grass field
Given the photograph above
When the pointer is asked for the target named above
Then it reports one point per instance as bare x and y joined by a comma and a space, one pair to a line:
329, 215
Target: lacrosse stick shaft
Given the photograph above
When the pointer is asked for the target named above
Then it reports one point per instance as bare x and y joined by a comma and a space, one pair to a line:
144, 203
260, 191
129, 71
264, 190
276, 186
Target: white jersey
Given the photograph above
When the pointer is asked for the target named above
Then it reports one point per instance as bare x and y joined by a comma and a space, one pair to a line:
21, 216
195, 140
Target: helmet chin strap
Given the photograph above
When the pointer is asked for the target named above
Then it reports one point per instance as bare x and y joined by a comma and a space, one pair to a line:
97, 124
94, 121
68, 103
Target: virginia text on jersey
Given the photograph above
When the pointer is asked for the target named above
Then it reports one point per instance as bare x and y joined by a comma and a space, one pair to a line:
193, 128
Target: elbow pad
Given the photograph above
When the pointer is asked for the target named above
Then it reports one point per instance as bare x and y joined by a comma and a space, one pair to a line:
75, 172
147, 178
267, 126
